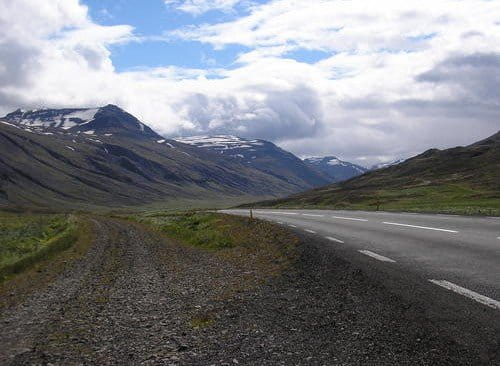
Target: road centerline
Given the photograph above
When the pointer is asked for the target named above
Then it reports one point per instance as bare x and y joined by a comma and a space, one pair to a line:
334, 239
310, 231
468, 293
349, 218
420, 227
313, 215
377, 256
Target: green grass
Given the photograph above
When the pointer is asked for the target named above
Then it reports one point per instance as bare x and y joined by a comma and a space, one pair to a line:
28, 239
205, 230
444, 198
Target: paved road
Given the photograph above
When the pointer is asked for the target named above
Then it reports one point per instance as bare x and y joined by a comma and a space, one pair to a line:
456, 253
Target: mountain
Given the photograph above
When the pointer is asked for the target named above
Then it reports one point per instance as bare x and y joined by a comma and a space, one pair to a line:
461, 179
386, 164
335, 169
105, 157
101, 121
261, 155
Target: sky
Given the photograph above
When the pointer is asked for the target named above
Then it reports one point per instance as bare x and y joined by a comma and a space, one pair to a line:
367, 81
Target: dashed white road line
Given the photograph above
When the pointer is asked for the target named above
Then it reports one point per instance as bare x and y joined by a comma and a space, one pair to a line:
349, 218
420, 227
292, 225
334, 239
377, 256
283, 213
310, 231
468, 293
313, 215
279, 222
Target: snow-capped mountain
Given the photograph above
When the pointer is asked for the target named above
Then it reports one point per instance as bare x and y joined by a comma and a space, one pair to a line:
230, 146
259, 154
105, 120
335, 169
87, 157
387, 164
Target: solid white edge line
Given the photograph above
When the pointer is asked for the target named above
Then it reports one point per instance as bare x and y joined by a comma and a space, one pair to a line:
377, 256
420, 227
310, 231
313, 215
333, 239
468, 293
349, 218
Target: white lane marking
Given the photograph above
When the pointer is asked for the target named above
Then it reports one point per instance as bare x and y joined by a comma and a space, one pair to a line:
421, 227
498, 237
283, 213
312, 215
310, 231
468, 293
279, 222
333, 239
349, 218
377, 256
292, 225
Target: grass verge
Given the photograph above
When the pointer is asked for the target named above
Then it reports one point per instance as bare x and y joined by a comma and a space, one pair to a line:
257, 248
35, 270
28, 239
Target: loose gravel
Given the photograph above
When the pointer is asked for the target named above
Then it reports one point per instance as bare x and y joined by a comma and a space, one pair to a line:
139, 299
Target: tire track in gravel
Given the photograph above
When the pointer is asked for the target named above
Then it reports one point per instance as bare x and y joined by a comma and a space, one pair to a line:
129, 301
105, 310
22, 324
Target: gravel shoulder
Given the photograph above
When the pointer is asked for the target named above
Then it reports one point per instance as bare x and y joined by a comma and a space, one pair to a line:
137, 298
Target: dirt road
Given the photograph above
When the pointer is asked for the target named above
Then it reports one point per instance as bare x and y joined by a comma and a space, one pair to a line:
138, 299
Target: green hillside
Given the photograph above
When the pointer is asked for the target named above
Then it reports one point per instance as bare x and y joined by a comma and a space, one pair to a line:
457, 180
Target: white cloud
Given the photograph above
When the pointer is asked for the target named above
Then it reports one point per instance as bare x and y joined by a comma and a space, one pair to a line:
197, 7
401, 76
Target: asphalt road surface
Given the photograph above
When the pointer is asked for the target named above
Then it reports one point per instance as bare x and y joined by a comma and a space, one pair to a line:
456, 253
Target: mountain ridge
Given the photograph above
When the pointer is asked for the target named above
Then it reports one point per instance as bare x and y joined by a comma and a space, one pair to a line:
262, 155
86, 157
335, 169
456, 180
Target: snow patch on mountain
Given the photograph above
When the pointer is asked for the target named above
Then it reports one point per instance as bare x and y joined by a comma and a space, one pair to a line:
220, 142
337, 170
387, 164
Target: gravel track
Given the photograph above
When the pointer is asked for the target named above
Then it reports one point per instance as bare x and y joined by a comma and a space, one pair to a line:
136, 299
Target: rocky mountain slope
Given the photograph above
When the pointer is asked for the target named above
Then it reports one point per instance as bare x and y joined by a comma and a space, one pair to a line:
261, 155
461, 180
335, 169
82, 158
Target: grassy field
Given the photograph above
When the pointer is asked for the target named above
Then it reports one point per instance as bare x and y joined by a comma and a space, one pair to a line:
28, 239
460, 180
444, 198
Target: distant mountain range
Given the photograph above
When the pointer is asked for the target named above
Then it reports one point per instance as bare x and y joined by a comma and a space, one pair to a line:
461, 179
335, 169
261, 155
83, 158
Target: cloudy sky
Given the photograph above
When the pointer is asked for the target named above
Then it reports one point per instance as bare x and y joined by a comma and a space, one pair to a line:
365, 80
